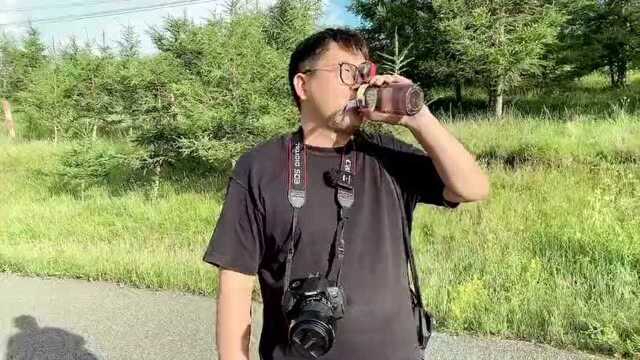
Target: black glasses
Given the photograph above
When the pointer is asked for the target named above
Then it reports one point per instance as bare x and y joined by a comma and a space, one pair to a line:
351, 74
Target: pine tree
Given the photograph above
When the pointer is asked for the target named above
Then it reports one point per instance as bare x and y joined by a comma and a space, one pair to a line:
414, 22
129, 44
33, 53
396, 63
290, 21
500, 41
600, 34
17, 63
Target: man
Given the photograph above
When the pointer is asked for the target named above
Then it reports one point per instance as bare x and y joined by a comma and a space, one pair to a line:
255, 224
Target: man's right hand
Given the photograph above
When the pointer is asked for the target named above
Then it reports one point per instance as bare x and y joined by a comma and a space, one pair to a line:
233, 319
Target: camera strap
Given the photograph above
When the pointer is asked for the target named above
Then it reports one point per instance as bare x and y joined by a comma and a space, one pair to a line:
424, 321
297, 195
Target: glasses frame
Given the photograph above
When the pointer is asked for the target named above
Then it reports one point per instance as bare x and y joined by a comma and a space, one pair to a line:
363, 72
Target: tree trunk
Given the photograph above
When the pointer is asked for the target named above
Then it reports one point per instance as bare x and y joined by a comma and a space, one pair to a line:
622, 67
617, 65
499, 97
8, 119
493, 98
458, 89
621, 73
157, 170
499, 104
612, 76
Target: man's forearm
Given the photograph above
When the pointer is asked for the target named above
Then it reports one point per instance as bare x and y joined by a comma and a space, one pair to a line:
461, 174
233, 329
233, 320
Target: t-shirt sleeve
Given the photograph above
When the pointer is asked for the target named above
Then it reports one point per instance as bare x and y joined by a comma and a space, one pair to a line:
237, 242
417, 175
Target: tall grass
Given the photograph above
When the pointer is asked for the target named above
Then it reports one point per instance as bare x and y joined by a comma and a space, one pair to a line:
130, 238
552, 256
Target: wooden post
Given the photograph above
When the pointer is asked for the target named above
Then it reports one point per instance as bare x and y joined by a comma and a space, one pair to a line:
8, 119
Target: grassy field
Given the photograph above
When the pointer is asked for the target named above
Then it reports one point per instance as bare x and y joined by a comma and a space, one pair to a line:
552, 256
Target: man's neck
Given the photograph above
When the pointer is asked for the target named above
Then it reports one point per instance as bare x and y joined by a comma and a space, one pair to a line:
322, 136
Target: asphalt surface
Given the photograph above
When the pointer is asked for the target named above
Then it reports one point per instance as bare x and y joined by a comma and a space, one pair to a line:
47, 318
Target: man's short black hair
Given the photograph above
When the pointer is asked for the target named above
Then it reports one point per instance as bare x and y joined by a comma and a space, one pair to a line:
309, 49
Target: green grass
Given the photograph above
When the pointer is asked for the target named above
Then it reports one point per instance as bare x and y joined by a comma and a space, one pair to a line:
519, 140
130, 238
552, 256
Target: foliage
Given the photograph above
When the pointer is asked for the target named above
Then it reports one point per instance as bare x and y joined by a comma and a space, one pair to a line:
396, 63
599, 34
85, 165
502, 41
414, 22
19, 61
213, 91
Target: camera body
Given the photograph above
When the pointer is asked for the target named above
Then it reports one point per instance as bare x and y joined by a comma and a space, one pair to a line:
312, 305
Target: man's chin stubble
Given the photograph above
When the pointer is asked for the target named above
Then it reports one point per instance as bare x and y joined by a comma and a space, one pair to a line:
344, 122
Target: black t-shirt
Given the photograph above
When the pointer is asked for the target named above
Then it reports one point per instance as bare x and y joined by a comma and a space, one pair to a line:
255, 223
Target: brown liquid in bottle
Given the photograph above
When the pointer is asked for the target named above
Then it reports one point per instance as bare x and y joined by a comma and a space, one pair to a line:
399, 99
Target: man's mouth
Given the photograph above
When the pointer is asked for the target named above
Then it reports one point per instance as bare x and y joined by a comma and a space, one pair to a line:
350, 105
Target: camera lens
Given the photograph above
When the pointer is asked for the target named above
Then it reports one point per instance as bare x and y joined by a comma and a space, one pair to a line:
311, 338
313, 333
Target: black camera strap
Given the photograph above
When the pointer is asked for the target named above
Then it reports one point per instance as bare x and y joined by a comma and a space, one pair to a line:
345, 197
297, 194
424, 326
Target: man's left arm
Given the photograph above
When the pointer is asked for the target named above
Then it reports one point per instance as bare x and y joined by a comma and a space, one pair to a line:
463, 178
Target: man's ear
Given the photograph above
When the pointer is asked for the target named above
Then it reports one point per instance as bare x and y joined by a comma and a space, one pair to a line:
300, 83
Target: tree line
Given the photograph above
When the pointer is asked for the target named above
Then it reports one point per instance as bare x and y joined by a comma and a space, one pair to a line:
501, 45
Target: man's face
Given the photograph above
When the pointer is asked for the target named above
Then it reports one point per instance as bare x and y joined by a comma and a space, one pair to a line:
327, 94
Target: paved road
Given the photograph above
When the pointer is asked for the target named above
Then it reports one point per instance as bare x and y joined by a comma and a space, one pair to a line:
76, 319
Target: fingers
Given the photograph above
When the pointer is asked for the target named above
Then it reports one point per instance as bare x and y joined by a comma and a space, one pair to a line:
380, 116
381, 80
